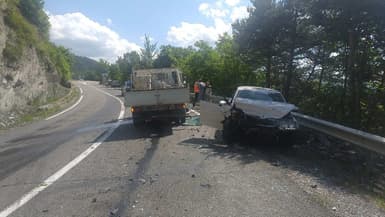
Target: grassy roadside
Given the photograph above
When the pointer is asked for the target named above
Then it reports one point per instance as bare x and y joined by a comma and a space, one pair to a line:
381, 202
52, 106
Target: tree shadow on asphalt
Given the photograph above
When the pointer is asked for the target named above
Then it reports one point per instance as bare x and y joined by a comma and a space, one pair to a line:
334, 163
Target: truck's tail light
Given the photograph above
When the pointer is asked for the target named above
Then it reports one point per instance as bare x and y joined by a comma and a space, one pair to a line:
180, 106
135, 109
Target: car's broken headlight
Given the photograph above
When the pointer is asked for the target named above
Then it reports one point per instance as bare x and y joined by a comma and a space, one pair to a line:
288, 123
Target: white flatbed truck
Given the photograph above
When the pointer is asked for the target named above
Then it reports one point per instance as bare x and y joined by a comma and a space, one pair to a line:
157, 94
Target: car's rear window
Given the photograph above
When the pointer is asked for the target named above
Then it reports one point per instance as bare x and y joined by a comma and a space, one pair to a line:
258, 95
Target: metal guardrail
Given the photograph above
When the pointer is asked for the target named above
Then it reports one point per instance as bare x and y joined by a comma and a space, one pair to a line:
357, 137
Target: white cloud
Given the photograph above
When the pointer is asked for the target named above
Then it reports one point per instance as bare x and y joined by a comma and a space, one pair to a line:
188, 33
109, 21
232, 3
239, 13
207, 10
204, 7
86, 37
221, 12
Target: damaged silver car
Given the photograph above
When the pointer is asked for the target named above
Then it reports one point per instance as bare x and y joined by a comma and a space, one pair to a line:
252, 109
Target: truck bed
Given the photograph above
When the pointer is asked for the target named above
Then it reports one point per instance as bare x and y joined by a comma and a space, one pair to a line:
157, 97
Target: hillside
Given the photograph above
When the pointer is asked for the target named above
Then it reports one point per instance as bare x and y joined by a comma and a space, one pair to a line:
33, 71
87, 69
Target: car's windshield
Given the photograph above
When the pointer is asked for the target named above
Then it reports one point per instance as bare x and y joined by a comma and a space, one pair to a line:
277, 97
259, 95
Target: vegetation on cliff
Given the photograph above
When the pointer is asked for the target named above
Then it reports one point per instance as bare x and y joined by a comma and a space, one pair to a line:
29, 28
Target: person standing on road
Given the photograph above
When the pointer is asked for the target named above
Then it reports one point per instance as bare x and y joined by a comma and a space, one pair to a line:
196, 92
202, 90
209, 90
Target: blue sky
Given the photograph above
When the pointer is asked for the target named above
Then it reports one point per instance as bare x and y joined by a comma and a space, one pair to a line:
107, 29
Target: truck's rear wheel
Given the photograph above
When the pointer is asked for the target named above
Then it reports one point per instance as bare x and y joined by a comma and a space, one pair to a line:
137, 120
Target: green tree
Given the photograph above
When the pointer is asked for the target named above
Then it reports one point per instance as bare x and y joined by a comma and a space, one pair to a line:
170, 56
148, 52
33, 11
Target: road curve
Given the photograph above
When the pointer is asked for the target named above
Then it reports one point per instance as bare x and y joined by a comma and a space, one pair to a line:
158, 170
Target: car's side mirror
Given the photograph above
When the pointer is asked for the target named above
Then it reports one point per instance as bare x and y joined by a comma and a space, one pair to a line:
222, 103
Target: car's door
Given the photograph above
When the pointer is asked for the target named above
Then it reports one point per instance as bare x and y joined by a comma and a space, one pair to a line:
212, 114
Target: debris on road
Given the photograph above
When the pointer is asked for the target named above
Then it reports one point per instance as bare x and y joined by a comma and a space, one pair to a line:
114, 212
276, 164
206, 185
314, 186
152, 180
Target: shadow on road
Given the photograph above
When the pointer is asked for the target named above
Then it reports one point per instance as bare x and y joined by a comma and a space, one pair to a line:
149, 130
333, 162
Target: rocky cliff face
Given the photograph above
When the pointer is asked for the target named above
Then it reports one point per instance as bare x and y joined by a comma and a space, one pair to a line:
24, 84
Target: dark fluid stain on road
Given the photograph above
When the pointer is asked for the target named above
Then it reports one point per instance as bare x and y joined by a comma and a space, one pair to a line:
26, 150
138, 178
27, 138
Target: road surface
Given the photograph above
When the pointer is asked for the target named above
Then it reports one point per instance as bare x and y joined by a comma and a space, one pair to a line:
157, 170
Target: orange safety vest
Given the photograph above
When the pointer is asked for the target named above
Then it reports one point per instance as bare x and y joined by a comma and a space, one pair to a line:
196, 88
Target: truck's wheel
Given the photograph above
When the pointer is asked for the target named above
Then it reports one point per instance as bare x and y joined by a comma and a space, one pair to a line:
138, 122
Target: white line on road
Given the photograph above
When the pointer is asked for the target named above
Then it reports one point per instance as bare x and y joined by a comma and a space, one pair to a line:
70, 108
53, 178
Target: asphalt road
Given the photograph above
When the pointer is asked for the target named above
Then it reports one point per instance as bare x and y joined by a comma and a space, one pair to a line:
158, 170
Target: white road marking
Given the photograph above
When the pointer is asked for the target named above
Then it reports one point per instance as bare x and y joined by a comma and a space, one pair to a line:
70, 108
57, 175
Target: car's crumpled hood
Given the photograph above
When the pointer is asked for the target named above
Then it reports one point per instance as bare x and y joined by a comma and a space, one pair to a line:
264, 109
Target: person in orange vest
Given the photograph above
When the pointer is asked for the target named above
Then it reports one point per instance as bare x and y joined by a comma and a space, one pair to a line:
196, 92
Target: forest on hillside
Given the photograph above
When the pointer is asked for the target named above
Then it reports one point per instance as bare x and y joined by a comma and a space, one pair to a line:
326, 56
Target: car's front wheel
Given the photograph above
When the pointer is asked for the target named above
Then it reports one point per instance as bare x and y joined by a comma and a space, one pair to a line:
286, 139
231, 131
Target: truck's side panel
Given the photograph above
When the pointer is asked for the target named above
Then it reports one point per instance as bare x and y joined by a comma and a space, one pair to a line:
157, 97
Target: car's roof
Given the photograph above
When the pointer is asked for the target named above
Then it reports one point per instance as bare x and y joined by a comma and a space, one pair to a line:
255, 88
